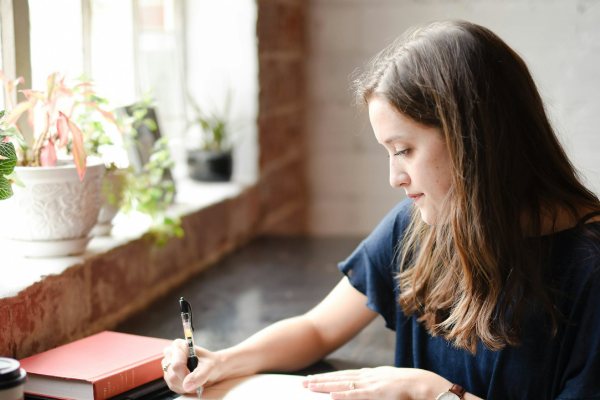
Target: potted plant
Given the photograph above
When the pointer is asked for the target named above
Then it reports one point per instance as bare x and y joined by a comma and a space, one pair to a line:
104, 136
211, 159
137, 178
56, 185
149, 188
134, 181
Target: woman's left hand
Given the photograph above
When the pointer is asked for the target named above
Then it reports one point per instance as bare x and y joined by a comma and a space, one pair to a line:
379, 383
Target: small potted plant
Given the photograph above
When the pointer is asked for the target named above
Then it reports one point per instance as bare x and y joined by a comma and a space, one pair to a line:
56, 185
149, 188
211, 159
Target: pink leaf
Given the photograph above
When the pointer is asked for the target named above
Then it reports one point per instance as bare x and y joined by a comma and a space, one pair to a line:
63, 130
50, 84
48, 154
78, 150
19, 109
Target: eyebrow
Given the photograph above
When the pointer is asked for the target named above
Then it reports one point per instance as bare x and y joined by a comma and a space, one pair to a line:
394, 138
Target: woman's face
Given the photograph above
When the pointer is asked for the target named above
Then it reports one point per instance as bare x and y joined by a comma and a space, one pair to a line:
419, 158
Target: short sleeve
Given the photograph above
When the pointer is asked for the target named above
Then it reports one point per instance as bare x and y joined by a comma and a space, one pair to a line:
372, 266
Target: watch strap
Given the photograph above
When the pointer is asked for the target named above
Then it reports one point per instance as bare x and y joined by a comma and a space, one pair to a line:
457, 390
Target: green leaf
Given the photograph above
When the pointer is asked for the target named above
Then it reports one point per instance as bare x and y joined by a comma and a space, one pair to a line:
5, 188
8, 158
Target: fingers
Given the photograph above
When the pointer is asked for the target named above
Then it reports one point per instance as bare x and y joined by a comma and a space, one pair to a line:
334, 386
179, 360
337, 376
197, 378
341, 384
357, 394
175, 365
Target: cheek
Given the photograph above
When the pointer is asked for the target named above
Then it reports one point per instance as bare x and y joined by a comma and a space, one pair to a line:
440, 177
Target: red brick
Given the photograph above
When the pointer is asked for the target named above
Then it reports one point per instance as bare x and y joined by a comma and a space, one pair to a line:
283, 186
7, 340
50, 313
281, 26
244, 216
281, 82
291, 221
119, 277
280, 134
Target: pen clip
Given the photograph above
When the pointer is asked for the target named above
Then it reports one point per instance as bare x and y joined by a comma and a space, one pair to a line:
186, 308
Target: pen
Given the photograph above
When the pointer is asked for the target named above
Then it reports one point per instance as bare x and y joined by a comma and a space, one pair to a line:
188, 332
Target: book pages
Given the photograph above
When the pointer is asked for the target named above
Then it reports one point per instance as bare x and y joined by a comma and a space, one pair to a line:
262, 386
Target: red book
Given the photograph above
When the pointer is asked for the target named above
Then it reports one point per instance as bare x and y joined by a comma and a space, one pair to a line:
96, 367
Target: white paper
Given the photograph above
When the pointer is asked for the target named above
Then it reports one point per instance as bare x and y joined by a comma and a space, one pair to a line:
262, 386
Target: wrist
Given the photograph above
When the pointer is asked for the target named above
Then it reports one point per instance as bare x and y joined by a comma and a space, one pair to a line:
454, 392
232, 364
223, 365
434, 386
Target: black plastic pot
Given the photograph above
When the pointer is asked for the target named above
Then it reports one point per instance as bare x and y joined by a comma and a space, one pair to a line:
209, 165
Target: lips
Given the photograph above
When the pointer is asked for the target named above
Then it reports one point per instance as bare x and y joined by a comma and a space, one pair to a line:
415, 196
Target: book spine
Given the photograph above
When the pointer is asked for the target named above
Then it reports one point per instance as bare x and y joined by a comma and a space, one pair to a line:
127, 379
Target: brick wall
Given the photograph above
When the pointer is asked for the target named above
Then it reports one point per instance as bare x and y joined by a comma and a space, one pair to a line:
106, 288
282, 53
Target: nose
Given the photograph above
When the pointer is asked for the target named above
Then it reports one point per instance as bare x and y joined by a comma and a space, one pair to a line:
398, 177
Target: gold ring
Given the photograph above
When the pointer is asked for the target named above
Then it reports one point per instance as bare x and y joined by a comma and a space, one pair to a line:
352, 385
166, 367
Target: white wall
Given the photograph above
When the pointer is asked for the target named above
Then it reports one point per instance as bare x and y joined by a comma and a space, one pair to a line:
560, 41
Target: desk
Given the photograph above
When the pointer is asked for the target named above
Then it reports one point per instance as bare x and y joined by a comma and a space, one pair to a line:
269, 279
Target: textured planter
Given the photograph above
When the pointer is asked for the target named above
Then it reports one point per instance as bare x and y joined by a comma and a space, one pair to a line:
54, 213
209, 165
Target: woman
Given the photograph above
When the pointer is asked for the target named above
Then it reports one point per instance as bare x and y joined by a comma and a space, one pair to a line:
489, 273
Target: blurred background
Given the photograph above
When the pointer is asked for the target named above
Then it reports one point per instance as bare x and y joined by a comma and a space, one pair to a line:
278, 73
286, 66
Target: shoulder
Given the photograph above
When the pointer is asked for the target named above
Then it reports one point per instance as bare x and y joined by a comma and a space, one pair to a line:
577, 263
372, 266
579, 273
578, 249
380, 247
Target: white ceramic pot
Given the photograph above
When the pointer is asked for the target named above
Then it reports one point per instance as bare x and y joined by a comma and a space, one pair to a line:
53, 214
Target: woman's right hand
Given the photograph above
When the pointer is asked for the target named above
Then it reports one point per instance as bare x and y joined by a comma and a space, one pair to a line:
176, 374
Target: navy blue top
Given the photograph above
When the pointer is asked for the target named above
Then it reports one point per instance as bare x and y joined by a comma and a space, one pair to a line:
566, 366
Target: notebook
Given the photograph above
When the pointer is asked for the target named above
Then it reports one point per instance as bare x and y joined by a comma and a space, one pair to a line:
261, 386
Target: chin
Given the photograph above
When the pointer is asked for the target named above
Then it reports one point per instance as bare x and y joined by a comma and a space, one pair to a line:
427, 217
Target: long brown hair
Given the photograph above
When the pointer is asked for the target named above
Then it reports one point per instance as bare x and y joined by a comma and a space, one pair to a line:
473, 273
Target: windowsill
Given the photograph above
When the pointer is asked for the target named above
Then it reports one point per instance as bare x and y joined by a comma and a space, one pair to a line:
192, 196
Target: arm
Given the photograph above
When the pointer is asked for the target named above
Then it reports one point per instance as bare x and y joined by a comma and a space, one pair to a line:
287, 345
298, 342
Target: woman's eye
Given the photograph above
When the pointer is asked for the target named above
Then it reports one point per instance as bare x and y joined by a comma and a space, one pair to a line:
402, 152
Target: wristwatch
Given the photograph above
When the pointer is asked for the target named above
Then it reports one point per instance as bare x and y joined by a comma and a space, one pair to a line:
454, 393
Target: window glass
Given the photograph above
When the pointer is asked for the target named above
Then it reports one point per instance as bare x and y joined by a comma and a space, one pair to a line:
160, 68
112, 50
222, 61
56, 39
